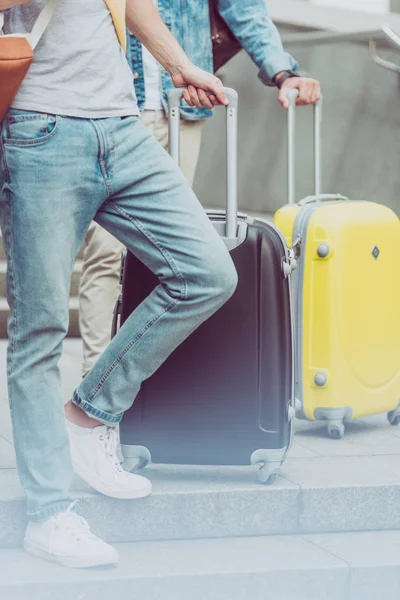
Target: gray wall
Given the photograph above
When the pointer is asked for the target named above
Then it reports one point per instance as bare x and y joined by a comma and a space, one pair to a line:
360, 133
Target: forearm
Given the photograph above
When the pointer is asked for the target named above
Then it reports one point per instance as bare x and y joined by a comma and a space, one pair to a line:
253, 27
144, 21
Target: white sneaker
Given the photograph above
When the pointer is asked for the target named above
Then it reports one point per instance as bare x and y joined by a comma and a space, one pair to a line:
94, 455
66, 539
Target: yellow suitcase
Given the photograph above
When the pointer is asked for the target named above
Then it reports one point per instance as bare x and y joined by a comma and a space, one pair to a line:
347, 302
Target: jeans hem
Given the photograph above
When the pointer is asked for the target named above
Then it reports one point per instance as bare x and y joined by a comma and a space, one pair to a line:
46, 513
96, 413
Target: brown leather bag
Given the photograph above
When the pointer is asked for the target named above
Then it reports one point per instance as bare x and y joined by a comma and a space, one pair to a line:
16, 53
4, 4
225, 45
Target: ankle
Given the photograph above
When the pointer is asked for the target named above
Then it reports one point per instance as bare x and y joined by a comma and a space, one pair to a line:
78, 417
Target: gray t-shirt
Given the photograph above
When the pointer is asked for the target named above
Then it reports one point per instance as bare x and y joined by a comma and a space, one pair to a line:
79, 68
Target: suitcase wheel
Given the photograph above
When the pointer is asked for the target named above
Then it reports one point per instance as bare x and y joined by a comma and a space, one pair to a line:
266, 477
135, 458
140, 463
271, 462
394, 417
336, 430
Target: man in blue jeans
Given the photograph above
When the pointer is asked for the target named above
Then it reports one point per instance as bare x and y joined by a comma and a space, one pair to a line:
189, 22
72, 150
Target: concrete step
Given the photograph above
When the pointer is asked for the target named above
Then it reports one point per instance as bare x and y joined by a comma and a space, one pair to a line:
73, 317
74, 280
314, 495
347, 566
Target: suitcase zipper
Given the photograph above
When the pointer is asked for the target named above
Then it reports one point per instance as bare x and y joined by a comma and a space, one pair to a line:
300, 238
290, 263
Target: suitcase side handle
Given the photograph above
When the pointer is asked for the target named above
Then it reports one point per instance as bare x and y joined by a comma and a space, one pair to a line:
322, 198
174, 99
292, 97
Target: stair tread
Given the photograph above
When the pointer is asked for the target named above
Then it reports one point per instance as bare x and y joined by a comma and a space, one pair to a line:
201, 502
231, 568
346, 472
186, 557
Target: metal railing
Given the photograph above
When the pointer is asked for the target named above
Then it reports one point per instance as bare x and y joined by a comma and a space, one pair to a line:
394, 39
326, 37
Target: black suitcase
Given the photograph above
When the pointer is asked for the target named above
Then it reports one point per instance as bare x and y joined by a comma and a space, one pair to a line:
226, 395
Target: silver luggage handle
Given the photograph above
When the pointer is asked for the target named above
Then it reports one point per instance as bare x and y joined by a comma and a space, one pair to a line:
174, 99
292, 98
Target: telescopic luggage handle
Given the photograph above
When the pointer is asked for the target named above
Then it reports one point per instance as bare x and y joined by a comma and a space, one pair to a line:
292, 98
174, 99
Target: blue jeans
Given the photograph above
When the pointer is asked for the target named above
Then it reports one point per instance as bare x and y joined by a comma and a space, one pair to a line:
58, 174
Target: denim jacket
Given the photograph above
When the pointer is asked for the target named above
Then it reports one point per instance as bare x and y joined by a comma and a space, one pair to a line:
189, 22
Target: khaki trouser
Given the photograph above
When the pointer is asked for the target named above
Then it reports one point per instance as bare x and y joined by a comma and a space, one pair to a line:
99, 283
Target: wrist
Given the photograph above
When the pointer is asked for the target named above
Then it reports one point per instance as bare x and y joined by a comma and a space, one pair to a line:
277, 77
283, 76
178, 66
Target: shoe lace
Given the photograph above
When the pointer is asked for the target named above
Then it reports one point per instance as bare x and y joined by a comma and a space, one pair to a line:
110, 441
75, 525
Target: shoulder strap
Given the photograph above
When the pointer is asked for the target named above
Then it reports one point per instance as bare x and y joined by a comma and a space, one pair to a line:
117, 9
41, 24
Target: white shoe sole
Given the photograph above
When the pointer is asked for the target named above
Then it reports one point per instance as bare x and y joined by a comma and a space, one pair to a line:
72, 562
107, 490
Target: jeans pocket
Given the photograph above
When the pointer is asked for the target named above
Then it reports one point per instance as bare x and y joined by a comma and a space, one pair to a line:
26, 128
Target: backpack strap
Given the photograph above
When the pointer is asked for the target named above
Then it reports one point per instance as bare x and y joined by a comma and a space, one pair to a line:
41, 24
117, 9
